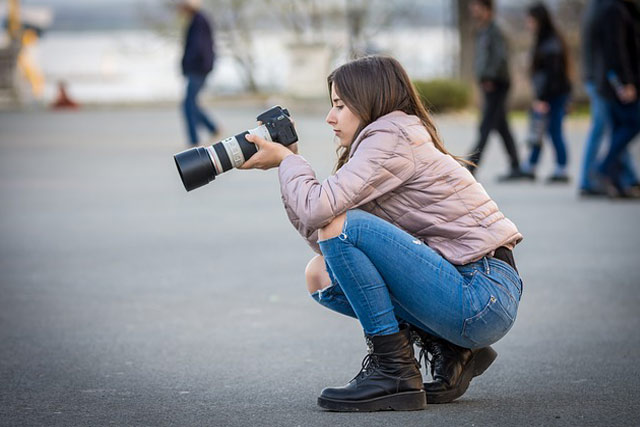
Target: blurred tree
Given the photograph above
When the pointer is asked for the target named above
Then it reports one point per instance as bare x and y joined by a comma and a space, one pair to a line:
304, 18
235, 21
365, 18
465, 39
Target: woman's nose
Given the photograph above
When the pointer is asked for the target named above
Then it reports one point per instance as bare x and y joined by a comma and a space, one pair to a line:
330, 118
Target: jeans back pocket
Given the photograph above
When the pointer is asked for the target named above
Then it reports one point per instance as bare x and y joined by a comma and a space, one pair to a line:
489, 324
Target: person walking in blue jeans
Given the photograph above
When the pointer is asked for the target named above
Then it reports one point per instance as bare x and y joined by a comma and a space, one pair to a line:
551, 86
589, 184
592, 64
618, 80
197, 63
407, 242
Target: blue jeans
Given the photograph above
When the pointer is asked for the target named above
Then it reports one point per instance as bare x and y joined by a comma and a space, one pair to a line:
599, 120
625, 126
557, 111
382, 275
193, 114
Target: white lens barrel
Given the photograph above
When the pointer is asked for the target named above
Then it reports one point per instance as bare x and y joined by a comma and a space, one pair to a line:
231, 147
234, 152
262, 132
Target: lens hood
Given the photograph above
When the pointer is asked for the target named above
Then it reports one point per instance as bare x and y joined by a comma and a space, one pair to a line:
195, 167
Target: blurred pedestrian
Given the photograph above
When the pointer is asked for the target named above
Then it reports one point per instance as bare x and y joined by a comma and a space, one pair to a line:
618, 81
551, 87
592, 63
197, 63
492, 73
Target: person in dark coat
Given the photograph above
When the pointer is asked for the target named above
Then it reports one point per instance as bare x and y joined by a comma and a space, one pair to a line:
551, 87
618, 82
591, 65
197, 63
492, 72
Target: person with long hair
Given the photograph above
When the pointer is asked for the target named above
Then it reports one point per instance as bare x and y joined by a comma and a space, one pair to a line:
552, 87
408, 242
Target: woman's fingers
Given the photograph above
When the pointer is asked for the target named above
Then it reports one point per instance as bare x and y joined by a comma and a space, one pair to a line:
255, 139
263, 159
269, 154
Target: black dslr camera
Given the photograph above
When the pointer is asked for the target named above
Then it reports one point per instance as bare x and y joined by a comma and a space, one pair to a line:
200, 165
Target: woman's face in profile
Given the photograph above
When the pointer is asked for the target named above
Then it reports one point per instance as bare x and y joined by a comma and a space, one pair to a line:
531, 24
342, 120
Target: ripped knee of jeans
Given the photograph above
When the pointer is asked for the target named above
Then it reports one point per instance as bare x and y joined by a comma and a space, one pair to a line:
317, 295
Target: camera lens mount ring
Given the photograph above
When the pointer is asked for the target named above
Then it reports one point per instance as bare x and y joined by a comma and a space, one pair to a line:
233, 151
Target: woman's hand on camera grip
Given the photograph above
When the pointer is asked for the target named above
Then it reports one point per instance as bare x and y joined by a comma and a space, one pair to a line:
269, 155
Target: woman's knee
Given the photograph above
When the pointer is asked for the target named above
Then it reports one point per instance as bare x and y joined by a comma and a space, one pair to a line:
316, 275
333, 229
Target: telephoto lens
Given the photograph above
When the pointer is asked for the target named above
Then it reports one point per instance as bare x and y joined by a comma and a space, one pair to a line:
200, 165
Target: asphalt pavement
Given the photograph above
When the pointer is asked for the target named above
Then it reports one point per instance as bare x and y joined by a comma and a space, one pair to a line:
125, 300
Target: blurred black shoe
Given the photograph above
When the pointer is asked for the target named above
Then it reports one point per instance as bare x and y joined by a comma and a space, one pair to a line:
629, 193
528, 176
558, 179
513, 175
592, 192
615, 190
634, 191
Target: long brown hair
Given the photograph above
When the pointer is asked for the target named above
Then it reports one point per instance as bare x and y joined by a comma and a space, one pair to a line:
374, 86
546, 28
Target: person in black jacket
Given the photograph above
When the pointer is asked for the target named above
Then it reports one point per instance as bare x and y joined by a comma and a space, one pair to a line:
592, 65
197, 63
551, 87
492, 72
618, 81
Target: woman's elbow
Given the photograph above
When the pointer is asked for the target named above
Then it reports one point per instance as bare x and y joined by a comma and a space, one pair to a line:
316, 219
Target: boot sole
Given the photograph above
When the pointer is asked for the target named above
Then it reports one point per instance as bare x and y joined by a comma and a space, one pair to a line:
406, 401
480, 362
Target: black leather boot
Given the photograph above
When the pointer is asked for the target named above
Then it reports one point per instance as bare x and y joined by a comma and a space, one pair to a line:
452, 367
390, 379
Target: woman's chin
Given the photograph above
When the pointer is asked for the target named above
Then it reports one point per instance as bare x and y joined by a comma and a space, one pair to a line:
342, 142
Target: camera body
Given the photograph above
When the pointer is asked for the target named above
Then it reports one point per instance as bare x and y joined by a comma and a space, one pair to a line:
199, 166
276, 120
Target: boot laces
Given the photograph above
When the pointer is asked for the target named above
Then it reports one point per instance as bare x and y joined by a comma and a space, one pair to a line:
424, 353
369, 363
417, 339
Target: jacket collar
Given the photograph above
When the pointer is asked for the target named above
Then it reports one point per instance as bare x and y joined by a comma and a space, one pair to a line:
382, 122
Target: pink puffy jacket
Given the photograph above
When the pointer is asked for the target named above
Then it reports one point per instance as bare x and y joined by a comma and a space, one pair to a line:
396, 173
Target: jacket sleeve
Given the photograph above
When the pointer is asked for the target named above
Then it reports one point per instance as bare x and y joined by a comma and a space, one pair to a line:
615, 56
588, 27
494, 57
309, 235
552, 67
381, 163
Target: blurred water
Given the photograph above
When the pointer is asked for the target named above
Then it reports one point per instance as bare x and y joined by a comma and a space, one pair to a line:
141, 65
